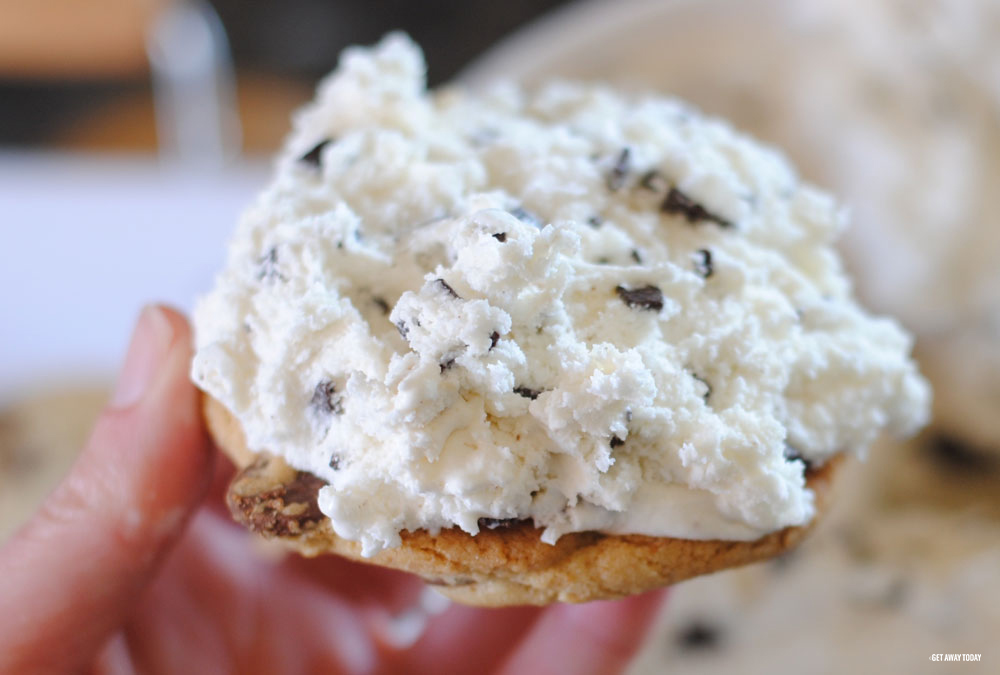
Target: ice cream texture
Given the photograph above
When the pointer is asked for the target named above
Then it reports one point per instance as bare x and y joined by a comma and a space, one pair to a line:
592, 310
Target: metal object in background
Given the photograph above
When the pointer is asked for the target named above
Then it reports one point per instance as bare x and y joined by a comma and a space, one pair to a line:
194, 89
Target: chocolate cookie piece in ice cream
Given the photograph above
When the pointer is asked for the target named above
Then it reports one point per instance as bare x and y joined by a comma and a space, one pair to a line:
567, 341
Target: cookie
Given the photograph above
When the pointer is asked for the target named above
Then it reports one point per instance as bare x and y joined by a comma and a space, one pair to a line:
506, 563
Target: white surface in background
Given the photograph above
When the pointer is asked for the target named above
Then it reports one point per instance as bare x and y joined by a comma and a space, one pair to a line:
87, 241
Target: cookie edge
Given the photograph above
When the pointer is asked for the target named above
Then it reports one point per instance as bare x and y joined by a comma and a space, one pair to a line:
511, 566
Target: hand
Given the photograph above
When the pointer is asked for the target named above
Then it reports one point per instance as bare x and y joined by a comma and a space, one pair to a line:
129, 567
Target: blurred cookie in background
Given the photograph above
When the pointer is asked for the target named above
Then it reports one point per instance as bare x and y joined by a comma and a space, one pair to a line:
875, 596
40, 436
964, 365
941, 472
903, 559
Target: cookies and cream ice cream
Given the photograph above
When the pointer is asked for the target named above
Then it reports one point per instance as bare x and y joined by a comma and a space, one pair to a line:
593, 311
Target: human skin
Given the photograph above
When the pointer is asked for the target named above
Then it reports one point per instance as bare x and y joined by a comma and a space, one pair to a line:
132, 564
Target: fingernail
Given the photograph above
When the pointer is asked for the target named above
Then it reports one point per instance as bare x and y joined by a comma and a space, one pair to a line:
150, 343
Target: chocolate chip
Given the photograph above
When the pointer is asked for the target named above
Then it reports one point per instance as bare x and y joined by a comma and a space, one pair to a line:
595, 221
679, 203
619, 172
653, 181
698, 635
500, 236
636, 257
648, 297
444, 285
335, 463
703, 263
325, 400
381, 304
494, 338
403, 329
791, 454
494, 523
616, 442
267, 266
957, 455
447, 364
314, 157
525, 216
604, 260
708, 387
527, 392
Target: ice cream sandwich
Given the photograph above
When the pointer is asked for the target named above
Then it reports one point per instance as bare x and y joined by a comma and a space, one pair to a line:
541, 345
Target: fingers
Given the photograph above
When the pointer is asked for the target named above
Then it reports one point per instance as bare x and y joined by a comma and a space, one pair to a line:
599, 637
114, 658
70, 575
365, 586
218, 486
468, 640
222, 476
202, 612
218, 607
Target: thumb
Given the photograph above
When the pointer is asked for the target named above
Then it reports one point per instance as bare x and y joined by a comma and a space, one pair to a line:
70, 575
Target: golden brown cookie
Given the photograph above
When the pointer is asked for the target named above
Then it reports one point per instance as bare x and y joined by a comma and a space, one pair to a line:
506, 564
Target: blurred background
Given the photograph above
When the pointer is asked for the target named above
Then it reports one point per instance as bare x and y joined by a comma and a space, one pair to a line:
133, 132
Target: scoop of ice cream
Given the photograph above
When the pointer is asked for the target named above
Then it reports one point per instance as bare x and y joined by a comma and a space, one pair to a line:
892, 104
591, 310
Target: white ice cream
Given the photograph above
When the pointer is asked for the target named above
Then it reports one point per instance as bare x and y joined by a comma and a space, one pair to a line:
893, 104
486, 307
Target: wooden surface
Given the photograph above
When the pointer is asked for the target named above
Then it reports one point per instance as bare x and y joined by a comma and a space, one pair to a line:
128, 123
74, 39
